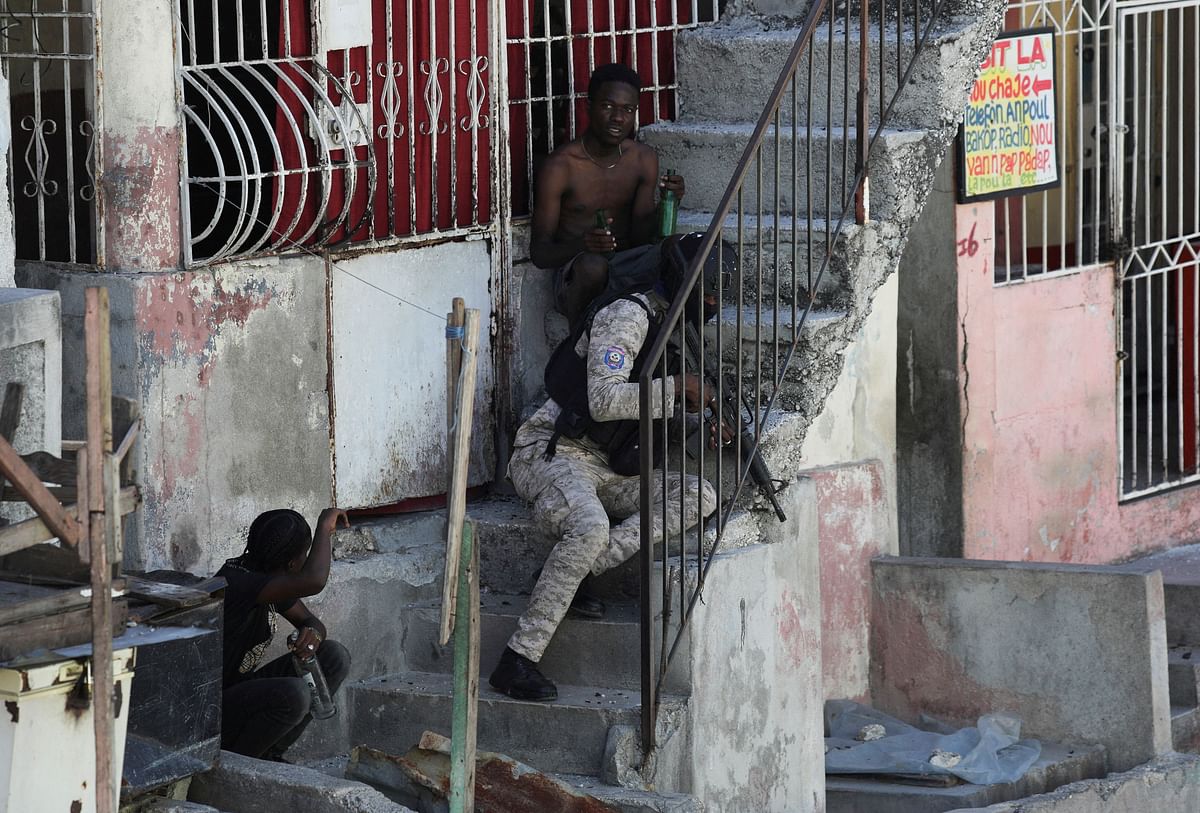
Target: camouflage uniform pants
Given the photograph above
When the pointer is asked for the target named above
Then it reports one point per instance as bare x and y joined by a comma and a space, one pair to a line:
573, 497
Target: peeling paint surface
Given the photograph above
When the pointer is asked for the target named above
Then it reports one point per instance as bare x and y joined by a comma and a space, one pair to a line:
1040, 466
142, 225
389, 370
230, 418
852, 509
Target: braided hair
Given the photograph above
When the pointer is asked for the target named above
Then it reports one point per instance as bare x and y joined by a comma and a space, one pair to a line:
275, 538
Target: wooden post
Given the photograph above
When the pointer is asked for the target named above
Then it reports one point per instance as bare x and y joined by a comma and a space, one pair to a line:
466, 678
99, 464
460, 450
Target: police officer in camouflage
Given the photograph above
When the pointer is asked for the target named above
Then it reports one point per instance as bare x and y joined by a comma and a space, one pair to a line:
574, 490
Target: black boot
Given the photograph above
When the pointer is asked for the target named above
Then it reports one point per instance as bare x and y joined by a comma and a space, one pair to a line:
519, 678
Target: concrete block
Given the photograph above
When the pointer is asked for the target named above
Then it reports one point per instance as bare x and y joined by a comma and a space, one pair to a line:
248, 785
566, 736
1077, 653
1185, 729
901, 166
31, 354
1169, 784
1057, 766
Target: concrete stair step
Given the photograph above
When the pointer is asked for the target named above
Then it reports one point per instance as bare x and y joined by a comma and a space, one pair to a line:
767, 251
1180, 568
1185, 729
727, 70
1058, 765
629, 800
1183, 674
706, 153
583, 652
565, 736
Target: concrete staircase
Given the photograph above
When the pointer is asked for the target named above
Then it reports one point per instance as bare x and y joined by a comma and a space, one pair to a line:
1181, 594
388, 573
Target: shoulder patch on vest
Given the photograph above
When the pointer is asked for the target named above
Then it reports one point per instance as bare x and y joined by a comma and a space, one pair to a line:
614, 358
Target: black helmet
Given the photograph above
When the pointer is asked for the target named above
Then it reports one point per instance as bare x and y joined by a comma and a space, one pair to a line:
720, 270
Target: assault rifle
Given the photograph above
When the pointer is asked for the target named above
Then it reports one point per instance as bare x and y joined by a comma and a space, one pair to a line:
730, 416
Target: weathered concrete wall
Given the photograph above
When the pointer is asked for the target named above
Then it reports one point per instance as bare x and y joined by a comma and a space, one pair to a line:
850, 454
928, 421
1040, 470
230, 368
31, 354
1077, 653
141, 137
755, 710
1170, 784
389, 370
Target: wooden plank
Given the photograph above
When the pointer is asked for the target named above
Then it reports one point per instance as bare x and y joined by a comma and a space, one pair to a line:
465, 718
166, 595
102, 489
61, 599
64, 494
50, 468
69, 628
51, 511
461, 450
34, 531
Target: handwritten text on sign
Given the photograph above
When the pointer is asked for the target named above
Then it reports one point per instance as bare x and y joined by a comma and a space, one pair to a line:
1009, 138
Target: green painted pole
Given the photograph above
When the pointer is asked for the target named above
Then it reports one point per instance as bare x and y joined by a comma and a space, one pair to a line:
466, 677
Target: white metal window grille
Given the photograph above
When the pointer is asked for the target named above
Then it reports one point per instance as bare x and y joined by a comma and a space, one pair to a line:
310, 124
48, 48
553, 47
1156, 161
1063, 229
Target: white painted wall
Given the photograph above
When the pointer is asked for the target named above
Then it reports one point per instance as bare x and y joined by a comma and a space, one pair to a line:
389, 370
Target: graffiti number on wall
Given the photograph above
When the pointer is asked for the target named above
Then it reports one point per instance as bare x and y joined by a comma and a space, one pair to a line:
969, 246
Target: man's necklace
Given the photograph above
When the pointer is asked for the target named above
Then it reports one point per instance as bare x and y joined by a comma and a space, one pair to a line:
620, 154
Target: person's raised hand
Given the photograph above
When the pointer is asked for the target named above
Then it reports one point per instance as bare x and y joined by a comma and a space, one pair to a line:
331, 518
674, 183
600, 241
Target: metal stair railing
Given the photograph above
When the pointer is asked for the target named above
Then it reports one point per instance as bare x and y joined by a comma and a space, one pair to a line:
750, 388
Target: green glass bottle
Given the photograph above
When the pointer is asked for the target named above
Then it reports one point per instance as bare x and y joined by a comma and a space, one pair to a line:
668, 210
602, 223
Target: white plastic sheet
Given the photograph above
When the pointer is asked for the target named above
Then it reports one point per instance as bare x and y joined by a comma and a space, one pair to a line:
991, 751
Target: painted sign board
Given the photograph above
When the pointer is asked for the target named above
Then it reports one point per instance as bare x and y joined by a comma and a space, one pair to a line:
1008, 142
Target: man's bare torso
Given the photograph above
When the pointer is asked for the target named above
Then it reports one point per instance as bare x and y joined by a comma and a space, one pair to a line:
592, 185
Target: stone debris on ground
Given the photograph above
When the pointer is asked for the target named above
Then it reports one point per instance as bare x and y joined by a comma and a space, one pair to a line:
944, 759
870, 733
246, 785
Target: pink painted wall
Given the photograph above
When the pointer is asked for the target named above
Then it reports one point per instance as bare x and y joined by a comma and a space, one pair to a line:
852, 509
1040, 473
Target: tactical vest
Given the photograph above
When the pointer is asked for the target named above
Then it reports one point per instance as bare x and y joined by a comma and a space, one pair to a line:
566, 383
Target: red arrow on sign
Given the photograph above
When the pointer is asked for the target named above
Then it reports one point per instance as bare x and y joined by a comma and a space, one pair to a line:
1041, 84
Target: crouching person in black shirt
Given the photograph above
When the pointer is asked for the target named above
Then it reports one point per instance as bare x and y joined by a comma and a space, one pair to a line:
265, 709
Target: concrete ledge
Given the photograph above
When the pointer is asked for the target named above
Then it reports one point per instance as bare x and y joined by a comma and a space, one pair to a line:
248, 785
1170, 784
1077, 653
